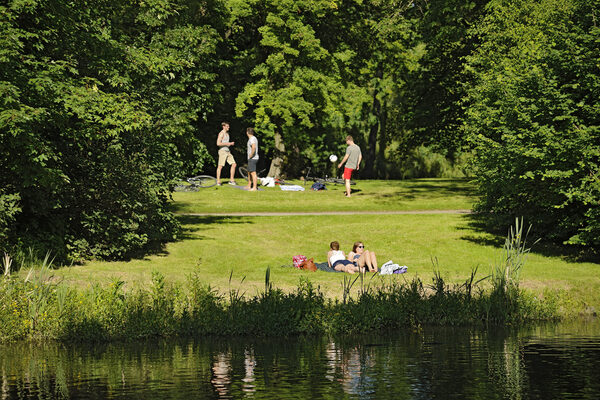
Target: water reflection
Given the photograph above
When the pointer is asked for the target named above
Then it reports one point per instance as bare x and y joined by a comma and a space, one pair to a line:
546, 362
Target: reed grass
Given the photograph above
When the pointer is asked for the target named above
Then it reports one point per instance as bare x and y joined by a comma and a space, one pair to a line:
193, 308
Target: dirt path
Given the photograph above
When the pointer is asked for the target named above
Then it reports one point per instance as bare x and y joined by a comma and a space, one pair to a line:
277, 214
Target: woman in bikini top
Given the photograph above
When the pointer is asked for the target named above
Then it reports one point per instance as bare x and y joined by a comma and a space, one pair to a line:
363, 258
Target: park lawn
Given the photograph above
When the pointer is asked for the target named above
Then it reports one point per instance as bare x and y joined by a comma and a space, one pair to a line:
368, 195
214, 247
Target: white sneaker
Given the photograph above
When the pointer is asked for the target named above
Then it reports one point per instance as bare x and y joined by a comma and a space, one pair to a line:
231, 183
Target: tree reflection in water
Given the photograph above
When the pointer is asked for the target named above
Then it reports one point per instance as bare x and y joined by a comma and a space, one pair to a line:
549, 363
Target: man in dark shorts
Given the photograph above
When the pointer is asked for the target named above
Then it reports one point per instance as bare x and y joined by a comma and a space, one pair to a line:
352, 159
252, 159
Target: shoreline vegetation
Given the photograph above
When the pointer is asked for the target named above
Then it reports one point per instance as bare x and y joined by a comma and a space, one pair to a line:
38, 307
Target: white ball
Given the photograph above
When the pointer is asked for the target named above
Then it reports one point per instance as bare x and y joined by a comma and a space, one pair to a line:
333, 158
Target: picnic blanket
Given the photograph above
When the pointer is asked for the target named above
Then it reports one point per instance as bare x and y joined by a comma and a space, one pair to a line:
320, 266
244, 188
325, 267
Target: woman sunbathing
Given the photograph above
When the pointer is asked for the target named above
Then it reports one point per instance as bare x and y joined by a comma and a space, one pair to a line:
337, 260
363, 258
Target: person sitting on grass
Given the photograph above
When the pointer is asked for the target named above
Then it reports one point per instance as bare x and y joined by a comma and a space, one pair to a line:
337, 260
363, 258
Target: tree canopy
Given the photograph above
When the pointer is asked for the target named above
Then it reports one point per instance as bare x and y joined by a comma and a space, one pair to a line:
105, 104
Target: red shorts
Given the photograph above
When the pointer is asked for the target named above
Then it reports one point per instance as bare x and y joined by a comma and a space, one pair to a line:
348, 173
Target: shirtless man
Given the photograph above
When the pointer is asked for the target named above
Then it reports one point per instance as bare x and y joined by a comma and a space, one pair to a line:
225, 154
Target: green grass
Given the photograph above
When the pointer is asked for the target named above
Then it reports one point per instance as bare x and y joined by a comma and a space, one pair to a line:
215, 246
232, 254
418, 194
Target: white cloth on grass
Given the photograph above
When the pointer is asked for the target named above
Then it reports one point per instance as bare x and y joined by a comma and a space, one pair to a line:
391, 268
268, 181
292, 188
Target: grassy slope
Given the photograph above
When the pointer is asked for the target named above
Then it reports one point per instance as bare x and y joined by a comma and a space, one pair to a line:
215, 246
421, 194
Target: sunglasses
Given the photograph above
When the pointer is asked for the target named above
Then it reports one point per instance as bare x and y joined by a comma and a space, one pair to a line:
361, 247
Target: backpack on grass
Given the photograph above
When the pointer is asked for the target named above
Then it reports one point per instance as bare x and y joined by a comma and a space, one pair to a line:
318, 186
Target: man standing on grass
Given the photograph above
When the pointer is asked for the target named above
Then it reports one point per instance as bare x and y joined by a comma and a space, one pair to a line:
225, 154
352, 159
252, 159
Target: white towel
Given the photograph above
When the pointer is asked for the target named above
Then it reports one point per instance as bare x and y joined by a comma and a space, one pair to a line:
292, 188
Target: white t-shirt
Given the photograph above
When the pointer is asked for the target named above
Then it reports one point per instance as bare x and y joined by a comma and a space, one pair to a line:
254, 140
336, 255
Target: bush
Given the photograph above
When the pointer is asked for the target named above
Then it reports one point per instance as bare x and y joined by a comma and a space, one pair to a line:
96, 120
9, 209
533, 117
38, 308
425, 162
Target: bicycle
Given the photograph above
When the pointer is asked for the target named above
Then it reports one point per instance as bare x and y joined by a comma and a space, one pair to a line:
259, 175
244, 172
327, 179
195, 183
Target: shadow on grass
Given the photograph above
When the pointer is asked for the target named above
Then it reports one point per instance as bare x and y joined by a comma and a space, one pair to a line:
181, 206
192, 224
497, 236
429, 189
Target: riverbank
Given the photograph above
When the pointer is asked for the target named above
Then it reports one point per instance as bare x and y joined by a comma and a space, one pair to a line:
225, 258
41, 309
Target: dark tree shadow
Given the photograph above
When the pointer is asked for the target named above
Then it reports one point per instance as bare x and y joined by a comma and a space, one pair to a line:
190, 226
411, 190
195, 223
484, 223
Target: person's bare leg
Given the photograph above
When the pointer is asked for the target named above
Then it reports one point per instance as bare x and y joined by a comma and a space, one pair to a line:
369, 260
232, 172
374, 262
249, 185
364, 262
219, 168
361, 263
348, 187
253, 188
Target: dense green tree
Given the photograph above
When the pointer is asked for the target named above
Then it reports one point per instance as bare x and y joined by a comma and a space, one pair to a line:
99, 101
294, 90
534, 116
434, 100
322, 70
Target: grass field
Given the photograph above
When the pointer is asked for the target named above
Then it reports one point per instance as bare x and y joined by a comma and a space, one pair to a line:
421, 194
216, 246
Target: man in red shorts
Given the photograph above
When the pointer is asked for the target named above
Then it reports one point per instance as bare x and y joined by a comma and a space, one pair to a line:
352, 159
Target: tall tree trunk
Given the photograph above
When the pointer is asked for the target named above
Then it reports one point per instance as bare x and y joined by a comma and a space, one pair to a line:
372, 140
375, 128
381, 167
276, 168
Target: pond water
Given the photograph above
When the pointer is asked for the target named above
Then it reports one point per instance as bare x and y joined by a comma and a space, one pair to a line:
543, 362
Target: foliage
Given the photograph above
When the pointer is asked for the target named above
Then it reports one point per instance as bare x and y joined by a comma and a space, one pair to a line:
319, 70
534, 117
97, 117
103, 104
434, 99
424, 162
9, 209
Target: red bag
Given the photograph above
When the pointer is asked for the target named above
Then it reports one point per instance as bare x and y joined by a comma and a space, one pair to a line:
308, 265
298, 260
